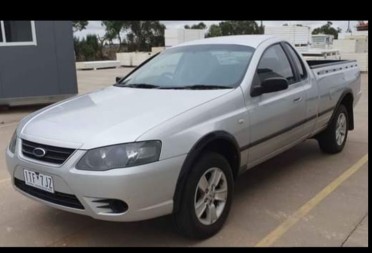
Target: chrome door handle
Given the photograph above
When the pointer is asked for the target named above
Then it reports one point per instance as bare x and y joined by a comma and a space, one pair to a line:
297, 100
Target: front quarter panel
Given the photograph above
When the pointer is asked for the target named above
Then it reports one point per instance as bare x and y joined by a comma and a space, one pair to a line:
179, 134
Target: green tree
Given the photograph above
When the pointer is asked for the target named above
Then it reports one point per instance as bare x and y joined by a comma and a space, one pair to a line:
79, 25
261, 29
233, 27
88, 48
142, 35
201, 25
214, 31
93, 46
101, 43
327, 29
77, 49
114, 28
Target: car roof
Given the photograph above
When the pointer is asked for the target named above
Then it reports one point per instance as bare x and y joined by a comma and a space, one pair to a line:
246, 40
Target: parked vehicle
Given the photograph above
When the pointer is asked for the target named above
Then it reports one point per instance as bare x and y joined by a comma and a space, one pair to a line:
172, 136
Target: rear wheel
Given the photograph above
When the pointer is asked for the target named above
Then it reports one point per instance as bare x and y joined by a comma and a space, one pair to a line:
206, 200
333, 139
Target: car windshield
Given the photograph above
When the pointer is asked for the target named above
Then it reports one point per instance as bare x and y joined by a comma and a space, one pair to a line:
208, 66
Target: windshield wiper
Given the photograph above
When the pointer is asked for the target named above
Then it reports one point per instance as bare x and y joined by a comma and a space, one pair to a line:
206, 87
141, 85
198, 87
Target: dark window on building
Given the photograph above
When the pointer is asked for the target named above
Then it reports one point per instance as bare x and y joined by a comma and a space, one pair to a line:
18, 31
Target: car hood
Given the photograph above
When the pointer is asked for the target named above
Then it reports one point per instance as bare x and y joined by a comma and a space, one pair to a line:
110, 116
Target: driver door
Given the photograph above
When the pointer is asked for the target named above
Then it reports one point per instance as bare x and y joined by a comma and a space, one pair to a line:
275, 118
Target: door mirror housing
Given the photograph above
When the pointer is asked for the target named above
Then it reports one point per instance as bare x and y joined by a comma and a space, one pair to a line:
271, 84
118, 78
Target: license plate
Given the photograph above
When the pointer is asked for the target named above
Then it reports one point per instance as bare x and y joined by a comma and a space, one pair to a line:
39, 180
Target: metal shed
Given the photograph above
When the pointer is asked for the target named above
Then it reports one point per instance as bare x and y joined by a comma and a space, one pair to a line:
37, 62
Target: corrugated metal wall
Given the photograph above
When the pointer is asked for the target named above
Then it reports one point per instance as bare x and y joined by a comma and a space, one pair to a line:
47, 69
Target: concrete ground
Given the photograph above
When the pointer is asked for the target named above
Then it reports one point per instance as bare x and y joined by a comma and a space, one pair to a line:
295, 199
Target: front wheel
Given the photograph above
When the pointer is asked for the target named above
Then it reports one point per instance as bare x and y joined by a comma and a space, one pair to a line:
206, 200
333, 139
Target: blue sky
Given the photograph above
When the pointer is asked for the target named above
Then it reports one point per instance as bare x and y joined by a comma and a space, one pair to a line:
94, 27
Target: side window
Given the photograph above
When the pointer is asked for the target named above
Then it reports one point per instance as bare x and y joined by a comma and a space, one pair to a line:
274, 63
298, 62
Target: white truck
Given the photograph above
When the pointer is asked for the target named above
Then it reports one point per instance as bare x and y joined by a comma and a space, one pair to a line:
172, 136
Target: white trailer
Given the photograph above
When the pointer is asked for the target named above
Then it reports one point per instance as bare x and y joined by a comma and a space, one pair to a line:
299, 36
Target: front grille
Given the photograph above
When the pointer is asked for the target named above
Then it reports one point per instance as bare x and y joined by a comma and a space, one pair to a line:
59, 198
55, 155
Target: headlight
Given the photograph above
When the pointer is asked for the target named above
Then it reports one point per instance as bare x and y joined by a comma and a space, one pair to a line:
13, 141
120, 156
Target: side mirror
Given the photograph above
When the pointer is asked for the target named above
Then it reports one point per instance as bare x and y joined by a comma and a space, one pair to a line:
118, 78
271, 84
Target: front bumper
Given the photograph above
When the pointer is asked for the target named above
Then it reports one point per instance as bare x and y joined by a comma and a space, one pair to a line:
147, 189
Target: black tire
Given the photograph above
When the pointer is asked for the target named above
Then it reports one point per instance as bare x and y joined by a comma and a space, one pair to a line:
186, 220
327, 140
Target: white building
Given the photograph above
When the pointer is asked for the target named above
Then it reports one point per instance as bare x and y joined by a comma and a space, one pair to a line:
177, 36
299, 36
354, 46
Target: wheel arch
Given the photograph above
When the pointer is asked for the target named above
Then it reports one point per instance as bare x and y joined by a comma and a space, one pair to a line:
346, 99
221, 142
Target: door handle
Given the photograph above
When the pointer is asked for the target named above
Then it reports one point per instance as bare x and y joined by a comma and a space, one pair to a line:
297, 100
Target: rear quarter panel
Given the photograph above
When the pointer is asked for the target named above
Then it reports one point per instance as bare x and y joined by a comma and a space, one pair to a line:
332, 84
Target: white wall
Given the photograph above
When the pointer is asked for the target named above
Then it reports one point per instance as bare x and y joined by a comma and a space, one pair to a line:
351, 46
177, 36
293, 34
133, 58
361, 58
